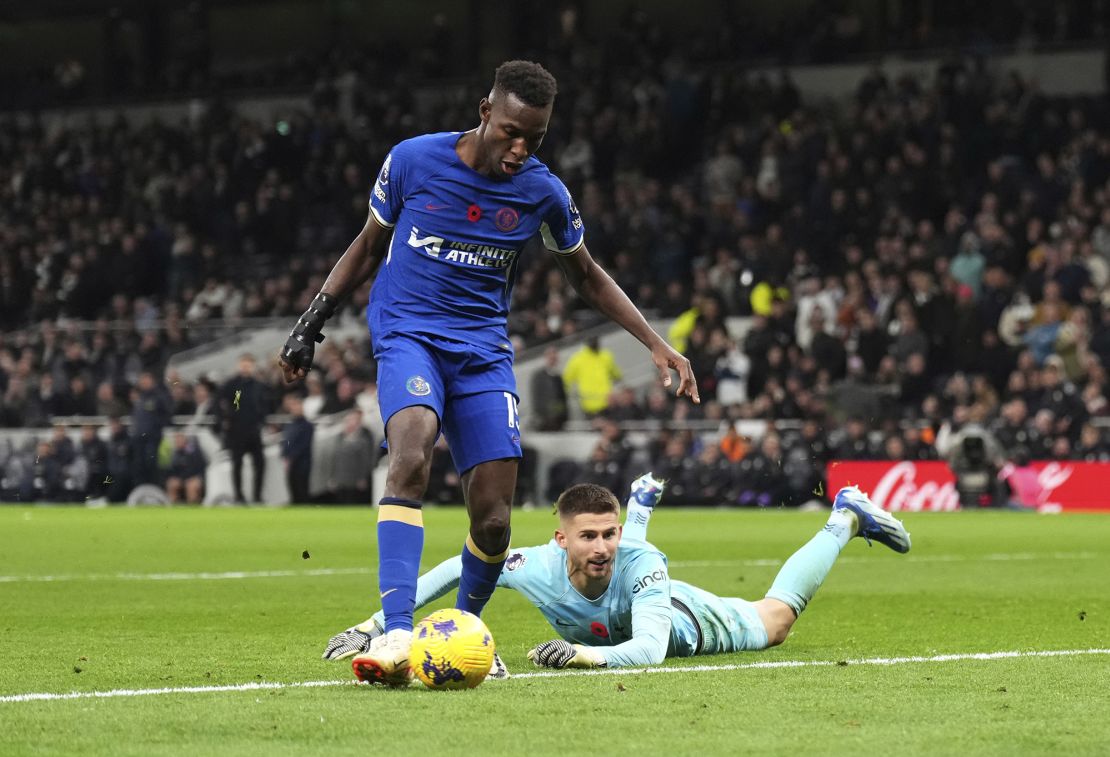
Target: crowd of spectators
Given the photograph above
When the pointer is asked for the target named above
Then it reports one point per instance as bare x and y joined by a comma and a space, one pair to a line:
153, 53
928, 255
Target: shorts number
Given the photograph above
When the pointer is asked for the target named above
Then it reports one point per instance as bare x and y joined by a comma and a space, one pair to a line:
514, 413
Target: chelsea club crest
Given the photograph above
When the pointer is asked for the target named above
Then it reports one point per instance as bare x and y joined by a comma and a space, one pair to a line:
418, 386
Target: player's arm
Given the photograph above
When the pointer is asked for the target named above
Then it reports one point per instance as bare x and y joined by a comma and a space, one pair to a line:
603, 294
357, 264
651, 632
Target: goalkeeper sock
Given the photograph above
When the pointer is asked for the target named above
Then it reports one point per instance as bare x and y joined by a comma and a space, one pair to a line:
480, 572
636, 518
400, 542
802, 575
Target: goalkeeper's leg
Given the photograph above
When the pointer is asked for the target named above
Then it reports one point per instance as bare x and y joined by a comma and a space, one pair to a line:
799, 578
644, 495
802, 574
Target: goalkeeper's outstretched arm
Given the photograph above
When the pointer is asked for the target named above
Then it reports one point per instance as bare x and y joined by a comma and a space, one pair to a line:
651, 630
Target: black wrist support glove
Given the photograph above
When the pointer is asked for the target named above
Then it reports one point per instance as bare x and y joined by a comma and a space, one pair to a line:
301, 344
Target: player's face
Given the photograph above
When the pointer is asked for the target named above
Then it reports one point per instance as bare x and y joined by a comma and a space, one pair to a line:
511, 132
591, 541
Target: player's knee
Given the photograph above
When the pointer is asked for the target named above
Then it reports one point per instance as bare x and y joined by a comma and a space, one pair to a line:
777, 634
777, 618
491, 530
409, 466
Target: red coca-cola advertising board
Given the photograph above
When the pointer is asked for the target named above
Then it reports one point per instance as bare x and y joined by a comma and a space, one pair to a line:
1065, 485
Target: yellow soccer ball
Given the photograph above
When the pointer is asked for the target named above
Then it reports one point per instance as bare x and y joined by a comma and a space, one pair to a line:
451, 649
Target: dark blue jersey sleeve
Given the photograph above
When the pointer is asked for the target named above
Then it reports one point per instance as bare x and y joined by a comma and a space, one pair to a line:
562, 229
388, 193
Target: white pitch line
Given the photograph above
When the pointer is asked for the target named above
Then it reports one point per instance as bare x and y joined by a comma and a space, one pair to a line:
264, 685
115, 693
225, 576
816, 663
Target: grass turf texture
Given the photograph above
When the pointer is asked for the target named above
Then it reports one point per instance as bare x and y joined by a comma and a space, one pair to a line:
975, 582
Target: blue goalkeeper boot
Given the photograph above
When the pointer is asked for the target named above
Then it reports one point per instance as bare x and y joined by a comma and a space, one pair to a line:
646, 491
875, 524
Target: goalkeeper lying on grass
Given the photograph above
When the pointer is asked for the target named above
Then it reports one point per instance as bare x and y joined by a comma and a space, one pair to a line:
610, 598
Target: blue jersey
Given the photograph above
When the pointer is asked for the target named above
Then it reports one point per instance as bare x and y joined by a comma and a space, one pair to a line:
457, 234
632, 623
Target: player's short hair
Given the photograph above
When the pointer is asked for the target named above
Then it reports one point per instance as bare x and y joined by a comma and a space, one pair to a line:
531, 82
587, 498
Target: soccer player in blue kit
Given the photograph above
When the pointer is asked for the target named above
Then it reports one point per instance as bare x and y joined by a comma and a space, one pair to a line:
609, 596
449, 215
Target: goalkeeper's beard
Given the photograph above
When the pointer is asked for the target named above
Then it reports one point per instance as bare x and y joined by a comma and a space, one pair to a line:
595, 571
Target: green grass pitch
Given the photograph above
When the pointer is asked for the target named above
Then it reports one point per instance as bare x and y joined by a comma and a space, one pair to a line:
99, 600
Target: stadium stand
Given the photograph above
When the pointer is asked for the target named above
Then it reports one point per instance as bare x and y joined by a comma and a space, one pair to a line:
877, 275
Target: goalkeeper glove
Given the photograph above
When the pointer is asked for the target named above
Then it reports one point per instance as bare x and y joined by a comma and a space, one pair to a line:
562, 654
355, 640
300, 347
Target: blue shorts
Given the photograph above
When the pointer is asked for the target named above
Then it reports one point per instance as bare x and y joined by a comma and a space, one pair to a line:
470, 388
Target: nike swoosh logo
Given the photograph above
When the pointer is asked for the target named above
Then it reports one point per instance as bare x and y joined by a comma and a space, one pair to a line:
385, 594
560, 622
476, 599
430, 206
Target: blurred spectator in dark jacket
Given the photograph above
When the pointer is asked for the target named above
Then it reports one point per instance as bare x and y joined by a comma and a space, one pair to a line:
620, 451
14, 403
1092, 447
915, 445
855, 445
296, 450
351, 462
855, 396
149, 417
549, 395
623, 405
107, 402
677, 467
712, 482
602, 469
871, 341
82, 401
1059, 395
243, 404
62, 446
119, 479
761, 480
96, 454
44, 479
185, 477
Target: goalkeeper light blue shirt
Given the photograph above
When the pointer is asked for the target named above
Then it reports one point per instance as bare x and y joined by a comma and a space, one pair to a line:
457, 234
632, 623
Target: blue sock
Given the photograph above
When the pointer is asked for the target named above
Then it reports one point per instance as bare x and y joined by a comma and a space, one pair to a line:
802, 575
400, 542
479, 576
